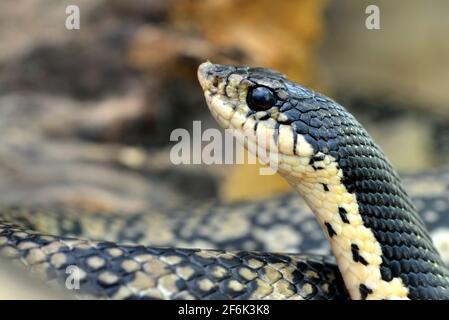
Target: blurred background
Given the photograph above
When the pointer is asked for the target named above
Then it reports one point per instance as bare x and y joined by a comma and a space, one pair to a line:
86, 115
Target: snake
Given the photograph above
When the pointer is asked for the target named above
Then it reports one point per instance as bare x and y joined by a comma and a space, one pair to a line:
381, 247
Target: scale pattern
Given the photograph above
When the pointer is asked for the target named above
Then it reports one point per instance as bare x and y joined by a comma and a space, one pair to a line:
386, 209
110, 270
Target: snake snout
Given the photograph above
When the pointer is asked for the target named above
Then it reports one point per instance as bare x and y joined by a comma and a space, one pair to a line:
210, 75
204, 71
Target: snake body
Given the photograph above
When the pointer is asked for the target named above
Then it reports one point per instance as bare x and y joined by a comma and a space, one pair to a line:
381, 246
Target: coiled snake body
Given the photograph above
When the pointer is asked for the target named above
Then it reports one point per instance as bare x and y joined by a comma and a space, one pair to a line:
381, 246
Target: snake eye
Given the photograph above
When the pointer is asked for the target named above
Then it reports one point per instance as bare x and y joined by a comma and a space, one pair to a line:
261, 98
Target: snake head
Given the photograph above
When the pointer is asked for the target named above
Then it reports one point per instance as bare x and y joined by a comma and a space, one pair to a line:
280, 117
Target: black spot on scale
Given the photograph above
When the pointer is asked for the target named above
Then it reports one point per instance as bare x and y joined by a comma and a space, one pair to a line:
325, 187
316, 158
364, 291
255, 126
265, 116
330, 230
356, 255
276, 133
343, 216
295, 141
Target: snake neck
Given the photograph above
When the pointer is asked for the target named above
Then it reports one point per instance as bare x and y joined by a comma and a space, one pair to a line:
381, 245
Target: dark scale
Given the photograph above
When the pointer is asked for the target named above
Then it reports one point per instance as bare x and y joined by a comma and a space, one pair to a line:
383, 203
356, 255
364, 291
343, 216
330, 230
276, 133
202, 267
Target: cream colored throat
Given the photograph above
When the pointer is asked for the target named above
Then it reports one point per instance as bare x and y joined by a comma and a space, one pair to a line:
355, 247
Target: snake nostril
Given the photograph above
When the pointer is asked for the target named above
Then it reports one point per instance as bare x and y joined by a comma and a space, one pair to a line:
215, 82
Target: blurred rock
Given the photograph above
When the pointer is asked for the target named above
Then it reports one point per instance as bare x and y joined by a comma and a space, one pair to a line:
88, 69
44, 163
25, 25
